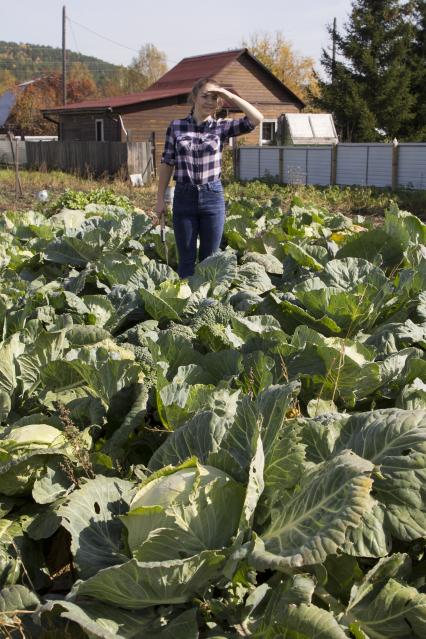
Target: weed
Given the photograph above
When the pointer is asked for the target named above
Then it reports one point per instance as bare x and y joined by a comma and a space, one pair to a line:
367, 201
56, 182
78, 446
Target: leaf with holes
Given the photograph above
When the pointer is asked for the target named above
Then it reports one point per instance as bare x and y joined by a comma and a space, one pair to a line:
91, 517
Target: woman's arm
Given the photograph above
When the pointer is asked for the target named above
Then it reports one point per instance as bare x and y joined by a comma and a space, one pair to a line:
253, 114
164, 175
166, 169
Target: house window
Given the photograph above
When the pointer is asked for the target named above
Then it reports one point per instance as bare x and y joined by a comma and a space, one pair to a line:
268, 131
99, 130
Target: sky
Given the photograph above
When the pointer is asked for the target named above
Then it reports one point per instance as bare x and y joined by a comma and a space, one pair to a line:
114, 30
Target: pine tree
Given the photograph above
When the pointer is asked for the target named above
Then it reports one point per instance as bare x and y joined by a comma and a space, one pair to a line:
369, 88
419, 71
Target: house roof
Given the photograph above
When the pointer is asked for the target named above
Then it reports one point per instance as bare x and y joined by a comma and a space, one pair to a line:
178, 81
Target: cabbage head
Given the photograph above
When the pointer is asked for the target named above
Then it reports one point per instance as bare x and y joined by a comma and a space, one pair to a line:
24, 451
33, 436
182, 511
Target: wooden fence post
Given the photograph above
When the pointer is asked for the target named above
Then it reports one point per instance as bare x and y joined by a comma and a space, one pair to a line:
238, 150
395, 159
235, 161
306, 165
18, 185
333, 164
367, 162
153, 154
281, 164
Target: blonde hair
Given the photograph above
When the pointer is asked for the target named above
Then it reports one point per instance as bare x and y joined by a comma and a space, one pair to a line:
196, 90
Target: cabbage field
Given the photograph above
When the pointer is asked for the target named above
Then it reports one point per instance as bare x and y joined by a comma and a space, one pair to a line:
240, 454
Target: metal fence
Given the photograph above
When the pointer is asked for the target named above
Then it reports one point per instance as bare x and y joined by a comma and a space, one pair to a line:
381, 165
7, 158
94, 158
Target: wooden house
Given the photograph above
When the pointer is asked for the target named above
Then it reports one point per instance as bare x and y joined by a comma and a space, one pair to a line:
137, 116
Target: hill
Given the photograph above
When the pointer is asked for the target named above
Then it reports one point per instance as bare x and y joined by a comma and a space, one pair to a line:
26, 61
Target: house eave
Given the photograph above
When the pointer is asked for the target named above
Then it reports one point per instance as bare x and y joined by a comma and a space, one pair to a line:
59, 111
302, 104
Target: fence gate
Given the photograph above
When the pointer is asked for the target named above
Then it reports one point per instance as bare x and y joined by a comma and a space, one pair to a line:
140, 160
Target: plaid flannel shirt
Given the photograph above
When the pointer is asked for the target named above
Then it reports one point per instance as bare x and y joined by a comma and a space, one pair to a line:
195, 150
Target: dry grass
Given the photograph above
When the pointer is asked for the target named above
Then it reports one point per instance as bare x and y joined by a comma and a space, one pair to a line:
349, 200
55, 182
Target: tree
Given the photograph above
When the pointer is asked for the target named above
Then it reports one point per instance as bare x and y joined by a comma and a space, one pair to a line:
418, 69
81, 84
277, 54
7, 81
26, 117
369, 86
124, 80
148, 66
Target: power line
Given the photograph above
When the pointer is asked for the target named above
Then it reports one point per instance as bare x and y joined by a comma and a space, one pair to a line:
110, 40
70, 20
52, 63
103, 37
74, 38
55, 64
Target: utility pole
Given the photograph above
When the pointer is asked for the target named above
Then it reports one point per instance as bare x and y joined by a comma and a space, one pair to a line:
64, 59
333, 54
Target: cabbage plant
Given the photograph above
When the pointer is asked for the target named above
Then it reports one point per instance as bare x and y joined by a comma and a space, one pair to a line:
23, 450
182, 511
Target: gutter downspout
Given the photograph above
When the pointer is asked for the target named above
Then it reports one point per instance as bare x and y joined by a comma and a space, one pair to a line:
122, 126
120, 120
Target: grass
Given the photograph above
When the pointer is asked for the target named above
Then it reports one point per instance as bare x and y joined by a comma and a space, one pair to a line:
366, 201
55, 182
350, 200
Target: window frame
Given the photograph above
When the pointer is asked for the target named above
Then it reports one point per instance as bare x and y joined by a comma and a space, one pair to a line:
101, 121
263, 141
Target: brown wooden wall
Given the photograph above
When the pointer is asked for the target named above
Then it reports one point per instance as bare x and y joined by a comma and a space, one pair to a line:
260, 89
153, 118
82, 127
256, 86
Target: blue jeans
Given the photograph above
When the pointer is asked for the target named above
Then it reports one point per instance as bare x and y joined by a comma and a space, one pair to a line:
198, 211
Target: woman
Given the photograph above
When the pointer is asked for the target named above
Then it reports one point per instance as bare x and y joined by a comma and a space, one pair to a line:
193, 150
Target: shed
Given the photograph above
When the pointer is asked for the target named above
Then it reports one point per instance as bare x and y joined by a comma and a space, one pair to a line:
137, 116
306, 128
